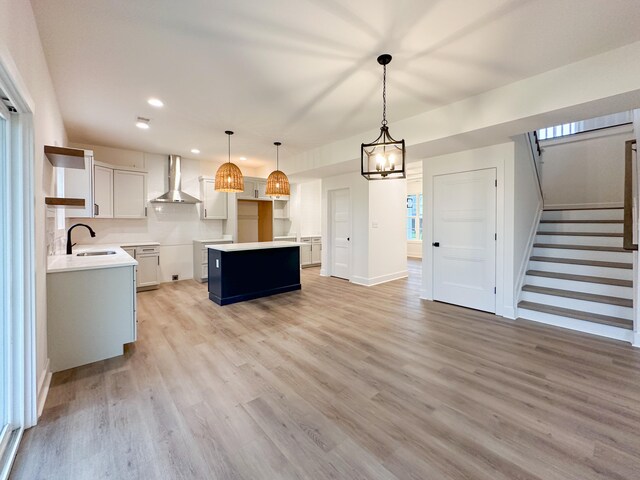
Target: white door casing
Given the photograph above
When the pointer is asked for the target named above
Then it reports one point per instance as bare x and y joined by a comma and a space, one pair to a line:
464, 227
340, 236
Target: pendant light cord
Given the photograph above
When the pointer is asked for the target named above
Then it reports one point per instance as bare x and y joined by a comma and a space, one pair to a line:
384, 96
277, 157
229, 144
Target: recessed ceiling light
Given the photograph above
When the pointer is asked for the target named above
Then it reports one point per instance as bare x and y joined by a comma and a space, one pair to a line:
195, 150
142, 123
243, 158
155, 102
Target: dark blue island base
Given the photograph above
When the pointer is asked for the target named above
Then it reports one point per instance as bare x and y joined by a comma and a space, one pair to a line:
245, 274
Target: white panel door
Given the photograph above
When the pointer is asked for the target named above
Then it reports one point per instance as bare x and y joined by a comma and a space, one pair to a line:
103, 192
340, 209
464, 242
129, 194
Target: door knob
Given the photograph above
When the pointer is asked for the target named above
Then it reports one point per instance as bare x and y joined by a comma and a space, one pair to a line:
436, 244
348, 239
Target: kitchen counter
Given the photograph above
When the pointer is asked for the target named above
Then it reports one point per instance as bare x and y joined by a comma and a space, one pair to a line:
139, 244
239, 247
225, 238
70, 263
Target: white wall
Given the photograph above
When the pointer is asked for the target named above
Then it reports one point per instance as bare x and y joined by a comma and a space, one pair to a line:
527, 210
500, 157
585, 170
414, 247
310, 210
20, 46
387, 231
174, 226
381, 204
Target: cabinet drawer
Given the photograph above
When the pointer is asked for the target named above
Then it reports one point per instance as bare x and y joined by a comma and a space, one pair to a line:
316, 240
306, 240
147, 250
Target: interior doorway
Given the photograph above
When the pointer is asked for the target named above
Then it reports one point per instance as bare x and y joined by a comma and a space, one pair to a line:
340, 233
464, 239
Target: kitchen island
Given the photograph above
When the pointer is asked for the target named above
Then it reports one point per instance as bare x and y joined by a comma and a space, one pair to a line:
244, 271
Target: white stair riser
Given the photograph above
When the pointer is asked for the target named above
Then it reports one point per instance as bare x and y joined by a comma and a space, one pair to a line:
580, 325
604, 214
624, 257
580, 240
585, 287
581, 305
621, 273
582, 227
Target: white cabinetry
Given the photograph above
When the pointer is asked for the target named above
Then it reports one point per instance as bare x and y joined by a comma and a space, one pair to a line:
311, 251
129, 194
109, 191
102, 192
148, 270
254, 189
201, 258
91, 314
214, 204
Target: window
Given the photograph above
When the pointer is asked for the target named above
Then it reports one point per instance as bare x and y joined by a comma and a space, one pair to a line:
414, 217
585, 125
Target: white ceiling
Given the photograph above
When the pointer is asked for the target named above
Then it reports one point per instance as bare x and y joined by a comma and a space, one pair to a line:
300, 71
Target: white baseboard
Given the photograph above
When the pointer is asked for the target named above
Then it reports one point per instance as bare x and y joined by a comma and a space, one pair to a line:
369, 282
636, 340
323, 272
43, 387
583, 206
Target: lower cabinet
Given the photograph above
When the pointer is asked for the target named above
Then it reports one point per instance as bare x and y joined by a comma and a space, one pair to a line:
91, 314
201, 258
311, 251
148, 270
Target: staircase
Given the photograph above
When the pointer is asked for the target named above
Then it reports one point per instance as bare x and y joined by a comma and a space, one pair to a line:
579, 276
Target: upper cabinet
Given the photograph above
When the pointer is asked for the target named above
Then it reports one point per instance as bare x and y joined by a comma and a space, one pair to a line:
214, 204
102, 192
129, 194
109, 191
254, 189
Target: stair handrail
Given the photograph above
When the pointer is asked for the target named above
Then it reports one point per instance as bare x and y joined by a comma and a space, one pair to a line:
536, 155
630, 225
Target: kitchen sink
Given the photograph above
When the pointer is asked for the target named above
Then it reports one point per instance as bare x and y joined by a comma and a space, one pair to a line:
92, 254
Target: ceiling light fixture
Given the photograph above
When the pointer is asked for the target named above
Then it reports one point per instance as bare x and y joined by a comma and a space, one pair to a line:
384, 157
155, 102
229, 177
195, 150
277, 181
142, 123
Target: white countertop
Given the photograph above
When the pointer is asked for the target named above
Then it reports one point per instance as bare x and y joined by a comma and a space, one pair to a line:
140, 244
70, 263
213, 240
238, 247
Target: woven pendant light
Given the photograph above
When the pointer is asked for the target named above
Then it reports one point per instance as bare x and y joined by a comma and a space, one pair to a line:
229, 177
277, 181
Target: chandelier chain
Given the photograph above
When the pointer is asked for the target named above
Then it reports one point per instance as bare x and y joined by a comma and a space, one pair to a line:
384, 96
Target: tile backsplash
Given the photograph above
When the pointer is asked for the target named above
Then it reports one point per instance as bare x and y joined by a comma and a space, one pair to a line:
55, 231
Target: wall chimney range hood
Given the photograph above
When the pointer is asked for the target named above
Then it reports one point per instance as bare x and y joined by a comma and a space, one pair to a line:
175, 193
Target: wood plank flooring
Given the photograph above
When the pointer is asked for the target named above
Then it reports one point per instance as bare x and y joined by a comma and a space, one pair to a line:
339, 381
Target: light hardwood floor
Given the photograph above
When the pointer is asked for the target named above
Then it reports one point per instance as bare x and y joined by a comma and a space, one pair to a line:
339, 381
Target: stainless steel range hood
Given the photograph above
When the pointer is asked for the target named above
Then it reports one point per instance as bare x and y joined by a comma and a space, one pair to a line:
175, 193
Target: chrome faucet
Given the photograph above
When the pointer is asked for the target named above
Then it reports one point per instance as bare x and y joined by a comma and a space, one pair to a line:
69, 244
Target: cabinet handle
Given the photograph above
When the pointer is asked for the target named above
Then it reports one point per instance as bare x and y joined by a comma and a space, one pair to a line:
96, 209
205, 213
158, 261
145, 211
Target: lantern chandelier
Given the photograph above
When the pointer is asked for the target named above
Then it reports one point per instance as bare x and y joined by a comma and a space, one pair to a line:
229, 177
384, 157
277, 182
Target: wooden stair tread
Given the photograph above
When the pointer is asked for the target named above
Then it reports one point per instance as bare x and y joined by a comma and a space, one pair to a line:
587, 297
581, 278
578, 315
583, 221
595, 248
583, 234
580, 261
